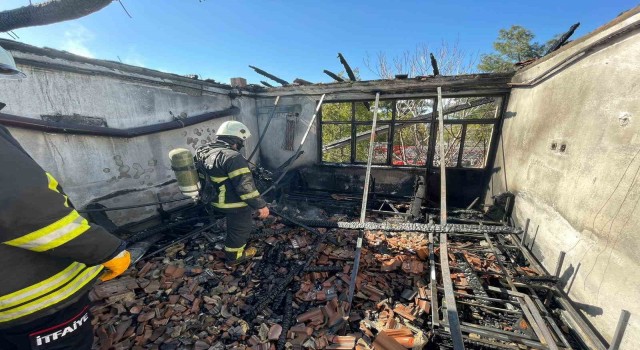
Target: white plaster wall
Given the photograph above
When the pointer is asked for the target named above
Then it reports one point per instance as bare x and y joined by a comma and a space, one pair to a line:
585, 200
272, 152
132, 171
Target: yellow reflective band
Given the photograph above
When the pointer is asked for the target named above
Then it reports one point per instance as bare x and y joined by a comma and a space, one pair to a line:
63, 293
222, 194
250, 195
53, 186
218, 179
238, 251
227, 249
222, 191
53, 183
54, 235
239, 172
230, 205
37, 290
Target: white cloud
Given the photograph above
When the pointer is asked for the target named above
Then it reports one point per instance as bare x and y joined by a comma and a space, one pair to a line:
76, 40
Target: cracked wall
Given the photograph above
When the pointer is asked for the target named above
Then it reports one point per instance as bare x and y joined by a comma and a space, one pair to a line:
114, 171
570, 151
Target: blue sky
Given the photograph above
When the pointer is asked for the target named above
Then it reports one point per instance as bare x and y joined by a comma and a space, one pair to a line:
298, 39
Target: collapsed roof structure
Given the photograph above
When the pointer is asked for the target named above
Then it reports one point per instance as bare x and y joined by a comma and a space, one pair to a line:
492, 217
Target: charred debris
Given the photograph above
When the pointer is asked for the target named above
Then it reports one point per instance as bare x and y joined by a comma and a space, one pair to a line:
294, 294
178, 295
340, 270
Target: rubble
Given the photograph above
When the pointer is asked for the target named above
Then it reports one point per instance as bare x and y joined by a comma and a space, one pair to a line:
293, 294
186, 298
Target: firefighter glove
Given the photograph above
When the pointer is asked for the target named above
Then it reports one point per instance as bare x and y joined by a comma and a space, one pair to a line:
263, 213
116, 266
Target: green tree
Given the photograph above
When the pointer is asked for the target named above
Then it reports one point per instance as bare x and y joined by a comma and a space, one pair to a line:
513, 45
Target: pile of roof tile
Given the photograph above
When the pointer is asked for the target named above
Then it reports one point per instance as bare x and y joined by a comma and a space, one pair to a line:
292, 295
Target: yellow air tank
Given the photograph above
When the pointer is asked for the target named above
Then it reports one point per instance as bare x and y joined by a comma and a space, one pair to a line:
185, 169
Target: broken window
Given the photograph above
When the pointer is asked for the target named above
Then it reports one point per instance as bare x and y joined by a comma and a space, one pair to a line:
338, 136
452, 137
403, 131
380, 145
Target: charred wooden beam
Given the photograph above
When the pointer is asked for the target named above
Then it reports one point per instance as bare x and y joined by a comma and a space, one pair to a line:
265, 83
563, 39
269, 75
454, 86
302, 82
333, 75
434, 64
347, 68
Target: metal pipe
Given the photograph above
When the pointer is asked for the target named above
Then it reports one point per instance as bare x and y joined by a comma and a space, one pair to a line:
76, 129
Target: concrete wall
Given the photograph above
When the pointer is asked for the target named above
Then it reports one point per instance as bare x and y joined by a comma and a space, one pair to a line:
273, 154
583, 200
113, 171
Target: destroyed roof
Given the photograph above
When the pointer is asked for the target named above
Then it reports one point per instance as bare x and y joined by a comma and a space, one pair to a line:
26, 54
424, 85
59, 60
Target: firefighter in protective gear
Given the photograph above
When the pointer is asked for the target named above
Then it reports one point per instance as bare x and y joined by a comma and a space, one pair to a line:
236, 193
50, 256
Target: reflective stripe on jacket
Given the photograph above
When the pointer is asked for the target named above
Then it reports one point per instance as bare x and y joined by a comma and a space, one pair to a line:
230, 173
49, 254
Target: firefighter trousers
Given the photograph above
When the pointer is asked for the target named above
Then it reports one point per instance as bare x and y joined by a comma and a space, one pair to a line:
69, 328
239, 226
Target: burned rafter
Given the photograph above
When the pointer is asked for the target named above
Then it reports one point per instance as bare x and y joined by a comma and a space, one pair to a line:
269, 75
563, 39
347, 68
333, 75
434, 64
302, 82
266, 84
351, 75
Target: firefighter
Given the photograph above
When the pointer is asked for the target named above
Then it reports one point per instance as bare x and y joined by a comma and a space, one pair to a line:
235, 191
50, 256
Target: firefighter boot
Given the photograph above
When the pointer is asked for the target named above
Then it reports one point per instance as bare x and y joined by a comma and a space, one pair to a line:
237, 256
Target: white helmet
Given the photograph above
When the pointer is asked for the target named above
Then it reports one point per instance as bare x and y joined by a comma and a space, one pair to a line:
8, 69
234, 128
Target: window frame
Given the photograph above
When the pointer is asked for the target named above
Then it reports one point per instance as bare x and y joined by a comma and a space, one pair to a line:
429, 123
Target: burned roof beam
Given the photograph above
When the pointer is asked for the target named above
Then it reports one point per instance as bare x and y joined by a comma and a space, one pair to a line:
269, 75
347, 68
469, 84
266, 84
302, 82
333, 75
563, 39
434, 64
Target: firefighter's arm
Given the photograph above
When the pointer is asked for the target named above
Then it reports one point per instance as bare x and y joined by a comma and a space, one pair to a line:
36, 215
240, 176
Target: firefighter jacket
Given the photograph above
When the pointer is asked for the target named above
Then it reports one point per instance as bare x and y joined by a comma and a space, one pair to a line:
49, 254
231, 177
